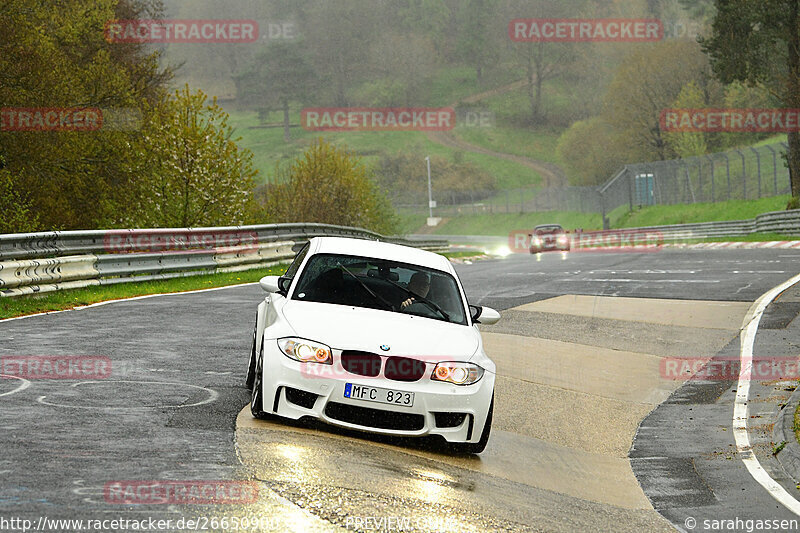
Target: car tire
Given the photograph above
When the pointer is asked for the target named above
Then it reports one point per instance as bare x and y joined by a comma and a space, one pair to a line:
257, 395
251, 364
478, 447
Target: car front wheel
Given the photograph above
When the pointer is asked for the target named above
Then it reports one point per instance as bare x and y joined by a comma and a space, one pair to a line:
251, 365
256, 397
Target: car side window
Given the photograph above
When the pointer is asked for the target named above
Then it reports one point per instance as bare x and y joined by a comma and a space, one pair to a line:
298, 260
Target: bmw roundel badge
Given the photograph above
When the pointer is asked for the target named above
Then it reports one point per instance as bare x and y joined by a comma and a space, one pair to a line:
385, 347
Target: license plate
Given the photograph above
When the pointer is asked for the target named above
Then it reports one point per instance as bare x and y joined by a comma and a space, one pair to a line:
375, 394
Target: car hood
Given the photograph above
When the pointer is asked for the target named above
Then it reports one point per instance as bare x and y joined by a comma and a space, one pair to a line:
353, 328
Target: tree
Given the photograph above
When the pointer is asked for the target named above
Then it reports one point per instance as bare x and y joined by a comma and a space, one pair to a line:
646, 84
279, 75
759, 43
199, 177
337, 33
405, 64
329, 185
592, 151
541, 61
688, 144
17, 216
54, 55
475, 44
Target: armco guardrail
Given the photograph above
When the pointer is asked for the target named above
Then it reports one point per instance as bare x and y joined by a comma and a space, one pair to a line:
50, 261
784, 222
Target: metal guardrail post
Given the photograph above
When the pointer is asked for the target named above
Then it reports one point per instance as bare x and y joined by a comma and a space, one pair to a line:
744, 173
727, 172
758, 166
713, 195
774, 168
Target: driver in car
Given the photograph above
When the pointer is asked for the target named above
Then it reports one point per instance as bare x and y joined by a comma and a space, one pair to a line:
419, 284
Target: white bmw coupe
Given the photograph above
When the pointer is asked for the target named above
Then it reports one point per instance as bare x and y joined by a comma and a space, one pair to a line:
375, 337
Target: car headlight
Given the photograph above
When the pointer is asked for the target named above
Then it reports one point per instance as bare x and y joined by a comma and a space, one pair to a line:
306, 351
537, 241
457, 373
562, 238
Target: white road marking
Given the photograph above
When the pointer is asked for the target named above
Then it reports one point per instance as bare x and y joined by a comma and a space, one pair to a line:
212, 396
748, 338
21, 387
626, 280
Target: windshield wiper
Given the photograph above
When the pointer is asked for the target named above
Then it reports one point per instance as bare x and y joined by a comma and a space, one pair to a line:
376, 296
422, 299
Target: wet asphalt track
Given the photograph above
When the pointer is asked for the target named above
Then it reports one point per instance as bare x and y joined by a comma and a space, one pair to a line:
178, 363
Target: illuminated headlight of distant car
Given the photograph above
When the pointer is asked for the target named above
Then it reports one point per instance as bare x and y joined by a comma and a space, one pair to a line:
306, 351
457, 373
562, 239
537, 241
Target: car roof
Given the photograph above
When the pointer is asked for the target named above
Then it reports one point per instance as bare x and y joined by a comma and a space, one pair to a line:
380, 250
548, 226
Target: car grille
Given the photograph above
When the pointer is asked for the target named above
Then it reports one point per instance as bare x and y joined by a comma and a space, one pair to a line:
361, 363
369, 364
403, 369
374, 418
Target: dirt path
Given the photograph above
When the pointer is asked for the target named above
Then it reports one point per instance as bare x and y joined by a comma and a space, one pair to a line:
552, 174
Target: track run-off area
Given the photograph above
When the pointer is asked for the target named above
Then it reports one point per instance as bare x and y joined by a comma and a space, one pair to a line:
589, 433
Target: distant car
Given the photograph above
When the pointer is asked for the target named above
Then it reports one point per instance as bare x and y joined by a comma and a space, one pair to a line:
549, 237
376, 337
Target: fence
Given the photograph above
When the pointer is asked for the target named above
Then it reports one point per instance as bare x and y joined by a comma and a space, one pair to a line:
745, 174
50, 261
522, 200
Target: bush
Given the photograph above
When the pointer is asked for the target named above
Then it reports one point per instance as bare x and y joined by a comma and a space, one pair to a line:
329, 185
17, 216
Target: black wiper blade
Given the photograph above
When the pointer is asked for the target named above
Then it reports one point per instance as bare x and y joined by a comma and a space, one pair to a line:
376, 296
422, 299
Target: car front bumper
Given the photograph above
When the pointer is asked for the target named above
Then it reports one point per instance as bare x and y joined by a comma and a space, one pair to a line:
455, 412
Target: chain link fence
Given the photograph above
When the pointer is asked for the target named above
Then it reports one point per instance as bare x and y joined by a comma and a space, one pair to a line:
524, 200
743, 174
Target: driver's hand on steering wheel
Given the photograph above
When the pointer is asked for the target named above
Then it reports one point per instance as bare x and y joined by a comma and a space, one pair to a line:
406, 303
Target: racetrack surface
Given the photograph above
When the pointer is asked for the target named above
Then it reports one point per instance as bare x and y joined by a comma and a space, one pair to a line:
577, 375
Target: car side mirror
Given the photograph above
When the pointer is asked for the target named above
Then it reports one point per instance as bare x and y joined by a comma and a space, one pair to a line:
283, 285
487, 315
270, 284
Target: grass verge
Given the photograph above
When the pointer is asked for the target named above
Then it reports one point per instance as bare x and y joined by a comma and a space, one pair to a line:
69, 299
658, 215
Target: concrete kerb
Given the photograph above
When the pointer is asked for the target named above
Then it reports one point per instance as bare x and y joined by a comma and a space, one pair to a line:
783, 431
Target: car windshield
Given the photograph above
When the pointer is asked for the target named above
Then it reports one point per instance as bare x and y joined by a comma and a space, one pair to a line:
381, 284
549, 229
